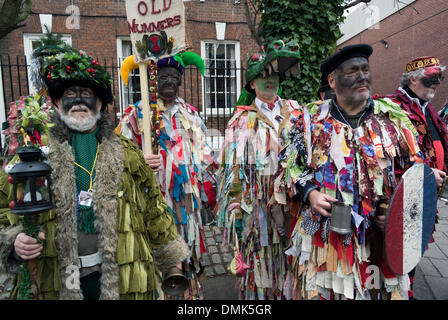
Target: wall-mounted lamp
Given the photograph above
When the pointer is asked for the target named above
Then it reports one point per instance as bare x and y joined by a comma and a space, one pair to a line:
386, 44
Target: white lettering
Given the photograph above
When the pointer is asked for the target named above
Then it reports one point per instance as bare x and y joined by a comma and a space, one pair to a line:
72, 281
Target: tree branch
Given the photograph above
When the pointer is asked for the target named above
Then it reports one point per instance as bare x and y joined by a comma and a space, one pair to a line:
25, 12
12, 13
251, 24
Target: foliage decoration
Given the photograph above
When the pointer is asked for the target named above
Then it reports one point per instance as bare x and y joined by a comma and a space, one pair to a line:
314, 25
75, 65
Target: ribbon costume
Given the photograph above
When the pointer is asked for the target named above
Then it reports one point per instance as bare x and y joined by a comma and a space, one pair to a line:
356, 161
249, 202
186, 177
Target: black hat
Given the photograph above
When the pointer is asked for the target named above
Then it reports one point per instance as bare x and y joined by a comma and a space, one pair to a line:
344, 54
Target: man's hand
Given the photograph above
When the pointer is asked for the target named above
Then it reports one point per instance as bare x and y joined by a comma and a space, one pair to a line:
27, 247
153, 160
440, 176
321, 202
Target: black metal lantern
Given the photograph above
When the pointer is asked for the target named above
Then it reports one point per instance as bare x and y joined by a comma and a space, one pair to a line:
31, 183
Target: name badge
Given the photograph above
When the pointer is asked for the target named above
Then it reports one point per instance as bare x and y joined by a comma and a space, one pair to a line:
86, 198
358, 133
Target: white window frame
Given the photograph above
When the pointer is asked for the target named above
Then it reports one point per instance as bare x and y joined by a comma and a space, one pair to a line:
121, 87
215, 111
28, 39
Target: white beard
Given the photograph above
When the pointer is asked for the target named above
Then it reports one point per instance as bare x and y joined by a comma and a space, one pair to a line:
430, 96
80, 125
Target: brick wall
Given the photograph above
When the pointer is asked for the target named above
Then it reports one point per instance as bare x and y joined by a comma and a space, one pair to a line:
417, 30
102, 21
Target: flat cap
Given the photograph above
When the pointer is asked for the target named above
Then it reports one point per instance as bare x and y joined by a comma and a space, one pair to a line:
344, 54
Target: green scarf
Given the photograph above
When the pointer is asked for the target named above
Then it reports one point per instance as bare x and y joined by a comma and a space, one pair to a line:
84, 150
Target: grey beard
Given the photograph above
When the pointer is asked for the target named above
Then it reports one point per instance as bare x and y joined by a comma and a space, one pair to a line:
80, 125
428, 97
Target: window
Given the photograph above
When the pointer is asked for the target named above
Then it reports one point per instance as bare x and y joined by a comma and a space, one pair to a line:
131, 94
30, 43
222, 80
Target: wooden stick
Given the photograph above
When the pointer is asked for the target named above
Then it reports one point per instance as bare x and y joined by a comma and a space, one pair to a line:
146, 108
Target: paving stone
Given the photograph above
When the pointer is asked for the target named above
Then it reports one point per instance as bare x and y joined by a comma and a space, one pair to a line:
441, 238
439, 287
219, 270
216, 258
442, 227
227, 257
422, 291
226, 248
216, 230
210, 242
212, 249
443, 247
428, 268
209, 272
205, 260
441, 265
434, 252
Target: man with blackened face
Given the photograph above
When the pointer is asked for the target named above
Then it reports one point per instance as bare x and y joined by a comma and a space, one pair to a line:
79, 108
169, 81
184, 162
350, 153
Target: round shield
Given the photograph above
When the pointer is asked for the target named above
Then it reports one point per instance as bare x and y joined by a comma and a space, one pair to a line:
410, 218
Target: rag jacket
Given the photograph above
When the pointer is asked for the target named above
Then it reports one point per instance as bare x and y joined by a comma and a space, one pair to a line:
358, 166
425, 139
186, 180
250, 206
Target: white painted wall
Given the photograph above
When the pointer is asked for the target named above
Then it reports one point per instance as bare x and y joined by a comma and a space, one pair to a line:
367, 16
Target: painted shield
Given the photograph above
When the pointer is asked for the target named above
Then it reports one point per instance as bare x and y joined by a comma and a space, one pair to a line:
410, 218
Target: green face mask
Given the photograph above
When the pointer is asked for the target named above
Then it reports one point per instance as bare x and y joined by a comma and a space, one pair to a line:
266, 88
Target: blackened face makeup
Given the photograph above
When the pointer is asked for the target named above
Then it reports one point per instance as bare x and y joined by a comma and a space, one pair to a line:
79, 108
431, 81
169, 80
353, 81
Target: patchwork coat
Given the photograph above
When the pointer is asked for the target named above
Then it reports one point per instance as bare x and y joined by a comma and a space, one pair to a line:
359, 166
250, 204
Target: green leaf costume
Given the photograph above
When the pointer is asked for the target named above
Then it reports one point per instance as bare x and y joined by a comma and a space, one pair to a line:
136, 232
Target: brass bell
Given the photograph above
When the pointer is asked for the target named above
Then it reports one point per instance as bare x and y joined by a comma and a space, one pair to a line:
175, 283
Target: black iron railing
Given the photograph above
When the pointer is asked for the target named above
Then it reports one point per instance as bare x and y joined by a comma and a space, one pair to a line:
214, 95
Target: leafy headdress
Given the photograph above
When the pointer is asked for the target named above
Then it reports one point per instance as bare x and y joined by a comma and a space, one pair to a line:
72, 67
277, 57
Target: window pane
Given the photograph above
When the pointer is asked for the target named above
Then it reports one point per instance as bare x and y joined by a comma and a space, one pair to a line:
220, 51
210, 51
220, 84
230, 51
220, 81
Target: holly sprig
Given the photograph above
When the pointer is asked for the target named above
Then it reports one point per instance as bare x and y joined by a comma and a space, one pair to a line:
75, 65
